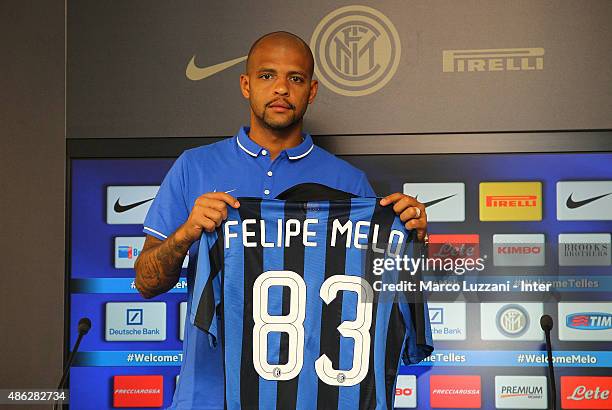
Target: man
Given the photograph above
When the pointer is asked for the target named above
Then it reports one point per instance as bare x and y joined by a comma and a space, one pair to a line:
262, 160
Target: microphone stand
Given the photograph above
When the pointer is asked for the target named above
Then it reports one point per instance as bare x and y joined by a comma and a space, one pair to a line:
546, 323
84, 326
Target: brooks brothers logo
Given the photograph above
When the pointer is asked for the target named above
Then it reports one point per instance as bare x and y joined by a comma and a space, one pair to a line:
357, 50
512, 320
495, 59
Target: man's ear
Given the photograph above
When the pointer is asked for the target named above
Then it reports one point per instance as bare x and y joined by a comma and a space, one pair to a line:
245, 86
314, 87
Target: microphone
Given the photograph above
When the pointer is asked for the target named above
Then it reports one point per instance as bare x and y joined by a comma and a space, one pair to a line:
83, 328
546, 323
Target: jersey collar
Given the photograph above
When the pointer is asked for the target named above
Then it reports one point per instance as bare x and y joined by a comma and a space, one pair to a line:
253, 149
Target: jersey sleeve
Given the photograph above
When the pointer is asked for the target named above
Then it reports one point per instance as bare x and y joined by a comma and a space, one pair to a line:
169, 208
413, 306
207, 288
363, 188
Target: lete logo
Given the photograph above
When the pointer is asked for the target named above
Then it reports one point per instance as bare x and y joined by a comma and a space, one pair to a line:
580, 392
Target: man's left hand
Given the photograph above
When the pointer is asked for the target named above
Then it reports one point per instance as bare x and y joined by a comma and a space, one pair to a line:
411, 212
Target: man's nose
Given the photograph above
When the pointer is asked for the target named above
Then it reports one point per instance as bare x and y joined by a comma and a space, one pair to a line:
281, 87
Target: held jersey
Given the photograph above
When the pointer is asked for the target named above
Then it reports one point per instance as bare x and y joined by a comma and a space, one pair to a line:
290, 290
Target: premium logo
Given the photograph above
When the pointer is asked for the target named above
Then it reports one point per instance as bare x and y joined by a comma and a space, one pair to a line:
590, 321
445, 202
520, 392
495, 59
584, 200
511, 321
586, 249
127, 250
510, 201
127, 321
356, 49
195, 73
138, 391
457, 392
128, 204
448, 320
454, 246
582, 392
518, 250
405, 392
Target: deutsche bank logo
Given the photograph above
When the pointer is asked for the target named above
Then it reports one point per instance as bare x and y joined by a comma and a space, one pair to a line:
135, 321
448, 320
436, 316
134, 317
356, 50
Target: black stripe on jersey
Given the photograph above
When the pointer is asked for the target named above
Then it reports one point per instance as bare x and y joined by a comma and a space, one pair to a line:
394, 345
415, 299
220, 311
206, 308
331, 315
253, 267
383, 217
286, 391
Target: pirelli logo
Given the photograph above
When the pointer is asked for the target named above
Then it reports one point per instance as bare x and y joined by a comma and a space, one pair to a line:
494, 59
511, 201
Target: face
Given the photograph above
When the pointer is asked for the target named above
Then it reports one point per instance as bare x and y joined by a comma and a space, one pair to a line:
278, 84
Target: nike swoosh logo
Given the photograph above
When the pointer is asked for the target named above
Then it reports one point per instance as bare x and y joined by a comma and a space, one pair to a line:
571, 204
122, 208
435, 201
195, 73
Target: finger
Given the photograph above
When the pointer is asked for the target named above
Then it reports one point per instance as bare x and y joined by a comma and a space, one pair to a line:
223, 196
208, 225
403, 204
416, 224
216, 204
421, 234
389, 199
214, 215
410, 213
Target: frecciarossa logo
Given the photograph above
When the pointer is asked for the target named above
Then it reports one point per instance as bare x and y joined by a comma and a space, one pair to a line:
462, 392
581, 392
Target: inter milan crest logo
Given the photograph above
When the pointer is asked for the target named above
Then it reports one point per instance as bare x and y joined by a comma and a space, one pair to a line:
356, 49
512, 320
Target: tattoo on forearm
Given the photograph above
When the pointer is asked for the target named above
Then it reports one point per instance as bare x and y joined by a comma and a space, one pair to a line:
158, 268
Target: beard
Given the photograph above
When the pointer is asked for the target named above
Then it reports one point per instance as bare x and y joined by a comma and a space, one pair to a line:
279, 122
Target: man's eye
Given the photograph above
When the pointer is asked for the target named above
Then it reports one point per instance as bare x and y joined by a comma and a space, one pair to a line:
297, 79
266, 76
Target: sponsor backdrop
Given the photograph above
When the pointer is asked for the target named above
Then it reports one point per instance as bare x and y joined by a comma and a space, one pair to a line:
142, 69
543, 218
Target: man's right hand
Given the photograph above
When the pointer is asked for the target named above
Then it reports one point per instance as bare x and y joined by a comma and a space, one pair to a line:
158, 266
207, 214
